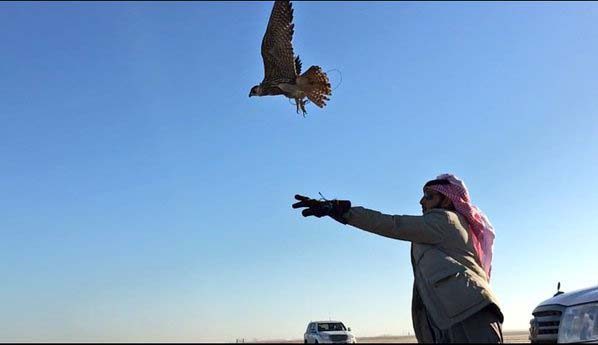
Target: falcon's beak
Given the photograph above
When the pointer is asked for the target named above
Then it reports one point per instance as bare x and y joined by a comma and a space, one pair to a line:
250, 94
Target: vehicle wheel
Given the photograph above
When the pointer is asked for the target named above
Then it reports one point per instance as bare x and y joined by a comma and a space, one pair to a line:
316, 341
304, 341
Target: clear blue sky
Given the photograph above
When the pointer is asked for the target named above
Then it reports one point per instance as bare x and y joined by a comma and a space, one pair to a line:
145, 197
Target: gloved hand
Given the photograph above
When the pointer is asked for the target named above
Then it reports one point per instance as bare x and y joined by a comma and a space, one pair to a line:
332, 208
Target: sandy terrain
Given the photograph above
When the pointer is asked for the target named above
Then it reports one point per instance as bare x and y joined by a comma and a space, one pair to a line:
510, 337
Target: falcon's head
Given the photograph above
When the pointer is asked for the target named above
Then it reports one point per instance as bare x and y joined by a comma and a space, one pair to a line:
255, 91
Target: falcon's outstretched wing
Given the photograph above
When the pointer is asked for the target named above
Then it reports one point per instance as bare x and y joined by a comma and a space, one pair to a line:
298, 65
277, 49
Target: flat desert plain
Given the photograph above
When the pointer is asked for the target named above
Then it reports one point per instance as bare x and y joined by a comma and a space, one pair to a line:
512, 337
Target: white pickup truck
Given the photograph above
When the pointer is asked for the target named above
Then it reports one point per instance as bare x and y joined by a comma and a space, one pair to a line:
570, 317
328, 332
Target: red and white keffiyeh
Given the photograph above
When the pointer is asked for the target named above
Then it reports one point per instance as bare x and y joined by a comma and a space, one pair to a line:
479, 225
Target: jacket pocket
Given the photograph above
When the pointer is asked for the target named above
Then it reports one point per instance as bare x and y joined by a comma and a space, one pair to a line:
445, 275
455, 291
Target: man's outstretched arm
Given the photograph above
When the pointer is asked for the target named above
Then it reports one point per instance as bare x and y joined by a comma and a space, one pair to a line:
420, 229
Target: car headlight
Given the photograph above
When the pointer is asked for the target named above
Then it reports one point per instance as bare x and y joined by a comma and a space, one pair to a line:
579, 323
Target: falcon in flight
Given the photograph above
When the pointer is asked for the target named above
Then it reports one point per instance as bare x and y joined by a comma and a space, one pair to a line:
282, 69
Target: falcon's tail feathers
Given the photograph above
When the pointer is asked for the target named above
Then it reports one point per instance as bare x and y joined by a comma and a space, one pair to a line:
316, 86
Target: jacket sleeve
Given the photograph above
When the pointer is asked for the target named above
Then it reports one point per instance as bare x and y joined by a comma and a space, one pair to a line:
421, 229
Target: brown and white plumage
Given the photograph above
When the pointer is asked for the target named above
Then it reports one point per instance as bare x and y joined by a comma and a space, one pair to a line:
282, 69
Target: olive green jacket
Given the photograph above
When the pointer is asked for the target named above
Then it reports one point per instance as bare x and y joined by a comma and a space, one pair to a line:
448, 279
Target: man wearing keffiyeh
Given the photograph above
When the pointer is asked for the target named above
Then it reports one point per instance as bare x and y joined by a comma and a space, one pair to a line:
451, 255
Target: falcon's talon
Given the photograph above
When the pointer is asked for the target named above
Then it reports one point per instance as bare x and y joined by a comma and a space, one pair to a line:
302, 104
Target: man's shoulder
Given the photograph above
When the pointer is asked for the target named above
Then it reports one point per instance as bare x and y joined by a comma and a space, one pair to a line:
439, 213
442, 215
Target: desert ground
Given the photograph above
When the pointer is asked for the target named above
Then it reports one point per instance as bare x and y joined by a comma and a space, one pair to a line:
513, 337
510, 337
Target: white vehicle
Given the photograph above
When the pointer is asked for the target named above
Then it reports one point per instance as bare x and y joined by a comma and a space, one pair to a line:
570, 317
328, 332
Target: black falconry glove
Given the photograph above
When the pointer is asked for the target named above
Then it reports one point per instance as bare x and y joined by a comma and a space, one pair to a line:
320, 208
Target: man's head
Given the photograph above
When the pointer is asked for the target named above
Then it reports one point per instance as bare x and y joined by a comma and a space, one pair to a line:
449, 192
433, 199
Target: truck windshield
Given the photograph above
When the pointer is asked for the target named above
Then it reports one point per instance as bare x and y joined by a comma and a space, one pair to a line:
331, 326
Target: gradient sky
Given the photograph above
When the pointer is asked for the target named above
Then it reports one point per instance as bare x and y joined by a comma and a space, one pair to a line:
145, 197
